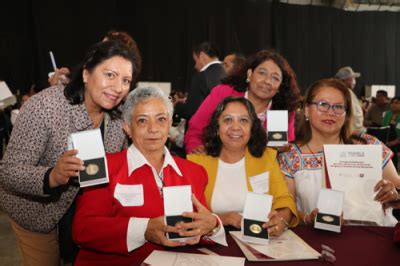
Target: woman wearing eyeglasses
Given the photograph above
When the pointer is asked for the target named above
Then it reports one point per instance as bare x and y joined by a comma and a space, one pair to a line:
326, 119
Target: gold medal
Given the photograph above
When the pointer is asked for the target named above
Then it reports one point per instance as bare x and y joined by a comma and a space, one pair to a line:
327, 218
92, 169
255, 228
277, 136
179, 222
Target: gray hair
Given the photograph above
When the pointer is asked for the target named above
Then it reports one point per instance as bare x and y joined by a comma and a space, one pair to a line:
140, 95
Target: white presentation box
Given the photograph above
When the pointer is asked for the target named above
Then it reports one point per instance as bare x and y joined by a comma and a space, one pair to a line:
177, 200
255, 213
91, 151
330, 208
277, 127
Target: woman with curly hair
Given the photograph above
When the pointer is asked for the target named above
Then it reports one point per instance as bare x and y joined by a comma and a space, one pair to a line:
236, 160
266, 80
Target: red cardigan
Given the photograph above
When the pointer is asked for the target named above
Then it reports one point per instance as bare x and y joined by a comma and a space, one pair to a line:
101, 223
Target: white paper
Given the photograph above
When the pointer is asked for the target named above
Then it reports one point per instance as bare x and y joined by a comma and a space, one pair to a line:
129, 195
330, 201
4, 91
257, 206
166, 258
355, 170
6, 97
177, 199
260, 183
287, 247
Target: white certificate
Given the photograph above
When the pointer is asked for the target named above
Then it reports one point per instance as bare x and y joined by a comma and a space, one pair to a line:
355, 170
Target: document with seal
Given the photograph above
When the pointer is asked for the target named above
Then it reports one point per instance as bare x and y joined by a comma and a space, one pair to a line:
177, 199
277, 127
355, 170
256, 209
287, 247
91, 151
330, 207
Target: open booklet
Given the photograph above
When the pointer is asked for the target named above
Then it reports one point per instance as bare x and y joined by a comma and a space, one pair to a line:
288, 246
166, 258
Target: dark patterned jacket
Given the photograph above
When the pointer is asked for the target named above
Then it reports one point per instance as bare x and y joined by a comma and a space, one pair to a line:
38, 139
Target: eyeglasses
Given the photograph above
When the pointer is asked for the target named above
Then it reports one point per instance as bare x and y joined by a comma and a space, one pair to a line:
338, 109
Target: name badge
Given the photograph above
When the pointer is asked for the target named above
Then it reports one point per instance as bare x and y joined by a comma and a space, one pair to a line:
129, 195
260, 183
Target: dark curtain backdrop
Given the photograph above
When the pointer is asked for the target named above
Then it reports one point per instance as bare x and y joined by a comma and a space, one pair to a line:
315, 40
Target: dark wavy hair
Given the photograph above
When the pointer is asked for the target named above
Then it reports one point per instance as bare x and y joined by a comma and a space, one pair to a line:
258, 138
304, 133
288, 94
98, 53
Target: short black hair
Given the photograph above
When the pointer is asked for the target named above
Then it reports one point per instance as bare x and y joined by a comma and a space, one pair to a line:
208, 48
258, 138
383, 92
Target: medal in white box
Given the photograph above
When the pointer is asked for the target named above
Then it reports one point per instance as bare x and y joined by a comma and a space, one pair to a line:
177, 200
255, 213
91, 151
330, 208
277, 127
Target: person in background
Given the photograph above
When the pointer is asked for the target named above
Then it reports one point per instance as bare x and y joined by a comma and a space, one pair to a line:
374, 115
233, 62
326, 119
37, 174
348, 76
235, 143
209, 74
122, 222
266, 80
391, 118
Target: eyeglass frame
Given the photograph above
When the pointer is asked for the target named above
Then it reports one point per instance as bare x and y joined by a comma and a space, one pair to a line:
330, 106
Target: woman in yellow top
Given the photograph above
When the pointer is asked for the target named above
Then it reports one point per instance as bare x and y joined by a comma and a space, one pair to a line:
237, 162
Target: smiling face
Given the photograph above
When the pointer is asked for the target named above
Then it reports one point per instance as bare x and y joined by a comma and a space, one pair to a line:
150, 126
234, 127
107, 84
264, 80
326, 123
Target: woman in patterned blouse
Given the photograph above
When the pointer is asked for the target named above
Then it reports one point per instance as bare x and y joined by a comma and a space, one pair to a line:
326, 119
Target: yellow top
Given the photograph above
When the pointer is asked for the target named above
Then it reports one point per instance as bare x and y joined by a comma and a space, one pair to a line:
254, 166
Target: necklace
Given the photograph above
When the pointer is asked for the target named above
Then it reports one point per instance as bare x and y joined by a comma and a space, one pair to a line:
313, 154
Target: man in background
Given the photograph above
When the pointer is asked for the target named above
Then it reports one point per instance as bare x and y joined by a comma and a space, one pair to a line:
374, 115
232, 62
209, 74
348, 76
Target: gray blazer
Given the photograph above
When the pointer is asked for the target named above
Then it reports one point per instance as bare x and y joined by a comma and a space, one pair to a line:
38, 139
